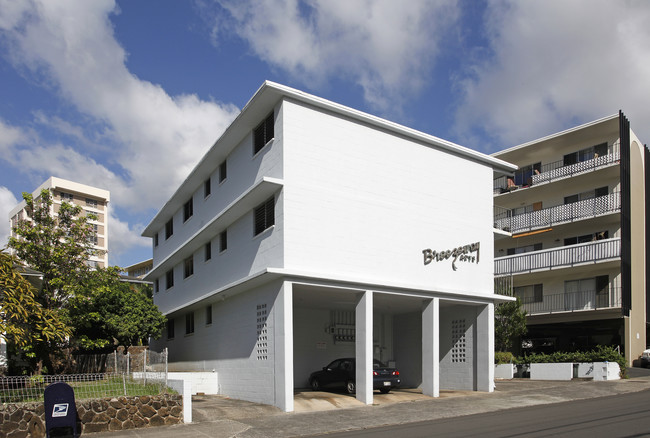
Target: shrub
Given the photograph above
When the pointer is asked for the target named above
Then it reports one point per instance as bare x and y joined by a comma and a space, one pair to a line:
504, 357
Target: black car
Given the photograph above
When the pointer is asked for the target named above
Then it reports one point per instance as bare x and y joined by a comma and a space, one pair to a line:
341, 372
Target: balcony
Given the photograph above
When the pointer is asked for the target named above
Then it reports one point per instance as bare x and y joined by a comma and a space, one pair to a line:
588, 208
555, 258
558, 170
573, 301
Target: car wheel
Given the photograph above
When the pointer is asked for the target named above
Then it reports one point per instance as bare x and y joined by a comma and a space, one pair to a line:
315, 385
384, 390
350, 387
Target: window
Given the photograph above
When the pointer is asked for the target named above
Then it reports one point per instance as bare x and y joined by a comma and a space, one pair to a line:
223, 171
91, 202
169, 228
156, 285
590, 194
93, 239
533, 293
208, 251
67, 196
264, 216
208, 314
170, 278
189, 267
170, 329
189, 323
600, 235
524, 175
263, 134
589, 153
207, 188
458, 341
223, 241
155, 239
188, 209
525, 249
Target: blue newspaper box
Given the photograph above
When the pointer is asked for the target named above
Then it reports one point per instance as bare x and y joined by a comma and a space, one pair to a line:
60, 410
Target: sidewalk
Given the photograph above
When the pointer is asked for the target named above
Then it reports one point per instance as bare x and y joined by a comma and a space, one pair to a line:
235, 418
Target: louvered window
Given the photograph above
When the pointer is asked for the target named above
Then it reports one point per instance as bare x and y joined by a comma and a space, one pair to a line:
169, 276
223, 241
207, 188
265, 216
263, 134
189, 267
169, 228
189, 323
188, 209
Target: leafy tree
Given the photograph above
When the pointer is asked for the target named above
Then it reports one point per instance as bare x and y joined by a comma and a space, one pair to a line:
56, 245
509, 324
23, 320
108, 310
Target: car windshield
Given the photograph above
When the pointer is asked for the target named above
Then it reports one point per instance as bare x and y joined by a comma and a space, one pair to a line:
377, 364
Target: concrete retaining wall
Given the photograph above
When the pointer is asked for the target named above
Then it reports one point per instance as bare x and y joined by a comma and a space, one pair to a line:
551, 371
504, 371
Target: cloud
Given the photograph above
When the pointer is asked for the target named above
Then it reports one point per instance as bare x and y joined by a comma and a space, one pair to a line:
155, 139
124, 238
7, 202
553, 65
387, 48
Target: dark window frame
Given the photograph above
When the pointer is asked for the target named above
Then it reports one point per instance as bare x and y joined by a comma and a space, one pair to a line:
263, 133
169, 279
188, 209
223, 241
208, 314
170, 329
264, 216
189, 323
169, 228
188, 267
223, 171
207, 188
208, 251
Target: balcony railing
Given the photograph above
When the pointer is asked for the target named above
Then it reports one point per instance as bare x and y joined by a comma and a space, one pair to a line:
558, 170
582, 253
573, 301
559, 214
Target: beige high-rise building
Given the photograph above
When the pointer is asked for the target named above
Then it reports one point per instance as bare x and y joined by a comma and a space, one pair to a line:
572, 240
90, 199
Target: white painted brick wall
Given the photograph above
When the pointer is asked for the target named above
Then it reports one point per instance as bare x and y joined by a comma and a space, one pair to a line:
364, 203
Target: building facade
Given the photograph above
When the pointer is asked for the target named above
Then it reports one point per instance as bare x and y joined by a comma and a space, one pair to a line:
572, 244
90, 199
311, 231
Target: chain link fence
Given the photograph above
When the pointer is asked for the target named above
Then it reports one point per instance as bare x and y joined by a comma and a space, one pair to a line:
113, 375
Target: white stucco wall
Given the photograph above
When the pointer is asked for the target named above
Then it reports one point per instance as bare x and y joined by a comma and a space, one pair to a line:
363, 203
454, 374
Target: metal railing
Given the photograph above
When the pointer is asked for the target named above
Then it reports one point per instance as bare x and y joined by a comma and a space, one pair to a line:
573, 301
558, 170
588, 208
144, 373
547, 259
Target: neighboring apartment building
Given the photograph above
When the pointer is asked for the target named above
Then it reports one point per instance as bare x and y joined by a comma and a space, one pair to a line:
91, 200
311, 231
574, 246
140, 269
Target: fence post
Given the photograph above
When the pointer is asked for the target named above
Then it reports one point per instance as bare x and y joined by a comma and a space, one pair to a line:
144, 366
166, 369
124, 383
128, 362
115, 353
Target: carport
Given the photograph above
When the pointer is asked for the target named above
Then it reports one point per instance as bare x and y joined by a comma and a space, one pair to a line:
436, 340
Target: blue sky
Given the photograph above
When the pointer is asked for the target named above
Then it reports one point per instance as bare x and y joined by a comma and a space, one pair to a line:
128, 96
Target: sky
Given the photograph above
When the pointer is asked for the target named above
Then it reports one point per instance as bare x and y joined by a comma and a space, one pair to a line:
128, 95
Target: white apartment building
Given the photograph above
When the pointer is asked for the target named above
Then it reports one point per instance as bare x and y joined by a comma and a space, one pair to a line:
574, 246
311, 231
91, 199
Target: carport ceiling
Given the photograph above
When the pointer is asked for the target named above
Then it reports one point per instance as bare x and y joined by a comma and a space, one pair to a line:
320, 297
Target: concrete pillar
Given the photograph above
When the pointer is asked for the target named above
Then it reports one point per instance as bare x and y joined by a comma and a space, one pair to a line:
431, 348
484, 348
363, 347
283, 329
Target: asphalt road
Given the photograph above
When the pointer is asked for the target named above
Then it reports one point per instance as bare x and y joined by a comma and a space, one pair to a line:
625, 415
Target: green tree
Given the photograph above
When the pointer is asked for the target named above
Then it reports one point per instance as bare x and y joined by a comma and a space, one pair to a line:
108, 311
509, 324
23, 320
58, 245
